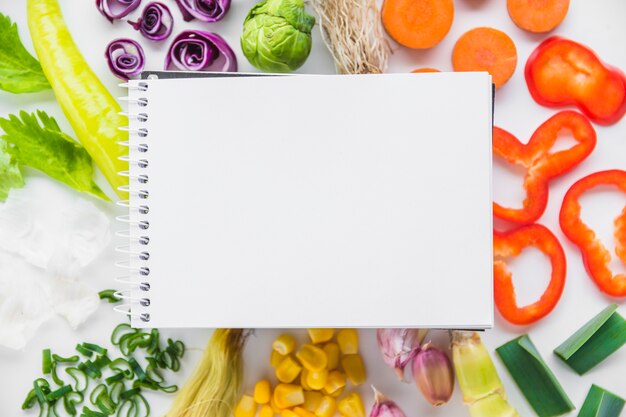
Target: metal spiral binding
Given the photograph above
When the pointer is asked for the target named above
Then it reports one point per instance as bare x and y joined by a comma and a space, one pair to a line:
135, 251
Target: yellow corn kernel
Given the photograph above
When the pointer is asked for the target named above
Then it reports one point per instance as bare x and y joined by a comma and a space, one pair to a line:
284, 344
312, 357
336, 393
303, 379
288, 413
266, 411
336, 380
246, 407
317, 379
311, 400
351, 406
288, 395
326, 407
320, 335
354, 369
301, 412
276, 358
288, 370
262, 392
277, 409
331, 350
348, 340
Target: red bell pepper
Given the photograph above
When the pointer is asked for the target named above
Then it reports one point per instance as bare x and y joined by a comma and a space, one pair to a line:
541, 164
595, 256
512, 243
561, 72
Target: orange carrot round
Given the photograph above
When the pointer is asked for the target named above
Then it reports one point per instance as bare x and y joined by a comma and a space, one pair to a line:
417, 23
537, 15
486, 49
425, 69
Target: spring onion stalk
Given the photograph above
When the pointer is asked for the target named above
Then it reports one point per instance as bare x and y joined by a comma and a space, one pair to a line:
601, 403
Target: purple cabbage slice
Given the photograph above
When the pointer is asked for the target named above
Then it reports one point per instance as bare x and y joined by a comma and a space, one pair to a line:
116, 9
197, 50
156, 22
203, 10
125, 58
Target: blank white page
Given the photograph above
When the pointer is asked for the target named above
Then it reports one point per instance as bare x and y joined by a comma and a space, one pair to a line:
317, 201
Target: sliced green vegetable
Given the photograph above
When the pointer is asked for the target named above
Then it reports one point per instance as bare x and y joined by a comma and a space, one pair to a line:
10, 175
42, 388
115, 391
84, 351
119, 331
20, 72
109, 295
56, 394
46, 362
595, 341
533, 377
69, 359
95, 348
129, 393
90, 413
80, 379
141, 375
30, 400
40, 144
70, 401
601, 403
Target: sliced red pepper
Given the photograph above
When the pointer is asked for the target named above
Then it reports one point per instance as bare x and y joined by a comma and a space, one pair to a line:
512, 243
561, 72
541, 164
595, 256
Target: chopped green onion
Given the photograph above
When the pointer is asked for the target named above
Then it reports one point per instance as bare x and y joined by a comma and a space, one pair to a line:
42, 388
96, 392
533, 377
44, 409
30, 400
154, 342
114, 378
141, 375
80, 379
129, 393
84, 351
102, 361
123, 367
601, 403
109, 295
69, 359
70, 401
121, 330
141, 404
595, 341
55, 376
127, 409
95, 348
46, 364
115, 391
55, 395
90, 413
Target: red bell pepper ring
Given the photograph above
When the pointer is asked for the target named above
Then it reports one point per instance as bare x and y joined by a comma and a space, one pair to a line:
541, 164
595, 256
561, 72
512, 243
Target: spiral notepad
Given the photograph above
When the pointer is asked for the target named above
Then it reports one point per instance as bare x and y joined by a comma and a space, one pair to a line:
309, 201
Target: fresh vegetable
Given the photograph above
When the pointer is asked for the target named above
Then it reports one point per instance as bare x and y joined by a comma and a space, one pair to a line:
478, 379
40, 144
19, 71
312, 357
354, 368
533, 377
595, 256
125, 58
486, 49
433, 375
91, 110
425, 69
601, 403
285, 344
351, 406
418, 23
326, 407
384, 407
399, 346
512, 243
203, 10
354, 35
288, 370
213, 389
10, 175
262, 392
109, 295
288, 395
116, 9
541, 163
246, 407
561, 72
318, 335
277, 35
537, 15
156, 22
348, 341
595, 341
197, 50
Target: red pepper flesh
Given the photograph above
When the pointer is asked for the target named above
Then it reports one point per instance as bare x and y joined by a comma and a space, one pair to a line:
540, 163
512, 243
595, 256
561, 72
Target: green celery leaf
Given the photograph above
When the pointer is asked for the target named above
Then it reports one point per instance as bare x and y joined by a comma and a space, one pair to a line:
10, 175
19, 71
40, 144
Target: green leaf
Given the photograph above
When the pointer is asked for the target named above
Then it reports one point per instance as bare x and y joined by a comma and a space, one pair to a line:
19, 71
595, 341
10, 175
533, 377
601, 403
42, 145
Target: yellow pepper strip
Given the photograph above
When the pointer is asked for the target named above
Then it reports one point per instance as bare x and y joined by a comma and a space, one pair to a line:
89, 107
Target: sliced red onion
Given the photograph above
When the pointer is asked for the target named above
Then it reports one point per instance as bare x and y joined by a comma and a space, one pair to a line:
116, 9
125, 58
156, 22
204, 10
197, 50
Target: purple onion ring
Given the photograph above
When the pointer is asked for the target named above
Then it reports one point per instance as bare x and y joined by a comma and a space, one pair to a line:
156, 22
116, 9
196, 50
125, 58
203, 10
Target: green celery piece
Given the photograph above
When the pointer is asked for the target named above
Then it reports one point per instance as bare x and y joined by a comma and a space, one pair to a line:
533, 377
19, 71
601, 403
10, 175
595, 341
40, 144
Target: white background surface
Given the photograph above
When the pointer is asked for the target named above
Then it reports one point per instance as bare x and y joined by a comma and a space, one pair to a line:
597, 24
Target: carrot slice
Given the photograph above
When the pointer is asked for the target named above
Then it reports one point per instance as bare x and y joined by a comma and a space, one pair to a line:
425, 69
417, 23
486, 49
537, 15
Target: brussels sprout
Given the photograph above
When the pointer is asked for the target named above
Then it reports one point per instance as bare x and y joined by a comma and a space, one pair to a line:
277, 35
